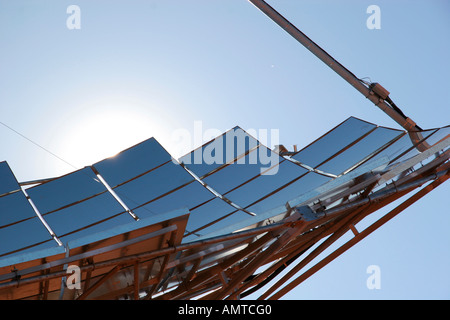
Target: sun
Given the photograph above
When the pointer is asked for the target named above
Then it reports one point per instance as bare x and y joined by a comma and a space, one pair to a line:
104, 129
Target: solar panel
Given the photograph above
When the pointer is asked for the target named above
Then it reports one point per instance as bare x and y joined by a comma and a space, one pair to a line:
305, 190
251, 170
249, 191
160, 185
8, 182
153, 184
211, 216
174, 215
94, 215
334, 141
431, 138
26, 236
290, 190
204, 207
232, 146
188, 196
20, 229
66, 190
440, 135
230, 176
361, 150
132, 162
77, 204
14, 208
246, 186
253, 177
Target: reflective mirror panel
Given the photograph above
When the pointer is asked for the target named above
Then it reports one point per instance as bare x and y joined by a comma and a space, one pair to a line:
8, 182
234, 175
212, 216
189, 196
19, 226
251, 190
156, 183
399, 147
289, 191
235, 165
93, 216
77, 204
430, 138
29, 235
66, 190
255, 173
20, 229
15, 207
132, 162
361, 150
89, 216
334, 141
440, 135
232, 145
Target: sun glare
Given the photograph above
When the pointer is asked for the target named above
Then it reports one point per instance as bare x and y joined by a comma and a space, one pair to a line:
105, 132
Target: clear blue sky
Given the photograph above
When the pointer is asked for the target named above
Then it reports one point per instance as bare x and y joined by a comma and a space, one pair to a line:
138, 69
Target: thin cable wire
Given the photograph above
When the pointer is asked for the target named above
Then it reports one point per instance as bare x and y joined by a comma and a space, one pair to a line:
38, 145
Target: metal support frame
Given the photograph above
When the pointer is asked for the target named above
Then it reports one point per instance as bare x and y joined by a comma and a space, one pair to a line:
375, 93
357, 238
106, 277
260, 259
49, 270
335, 229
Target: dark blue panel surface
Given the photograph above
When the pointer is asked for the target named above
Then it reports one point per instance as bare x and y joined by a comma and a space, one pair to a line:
8, 182
78, 204
20, 228
230, 146
93, 214
13, 208
256, 172
334, 141
189, 196
29, 233
289, 191
361, 150
99, 226
260, 186
258, 162
210, 212
66, 190
153, 184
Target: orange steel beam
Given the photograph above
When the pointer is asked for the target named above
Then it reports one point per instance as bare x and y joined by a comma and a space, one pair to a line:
347, 220
107, 276
360, 236
136, 280
259, 260
299, 248
132, 258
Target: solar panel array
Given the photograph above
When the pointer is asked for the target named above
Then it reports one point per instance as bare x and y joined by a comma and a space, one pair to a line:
223, 184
